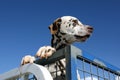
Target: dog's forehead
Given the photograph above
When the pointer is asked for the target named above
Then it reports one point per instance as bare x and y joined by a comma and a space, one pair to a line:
69, 18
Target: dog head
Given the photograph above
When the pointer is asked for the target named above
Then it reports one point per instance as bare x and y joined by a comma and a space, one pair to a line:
69, 29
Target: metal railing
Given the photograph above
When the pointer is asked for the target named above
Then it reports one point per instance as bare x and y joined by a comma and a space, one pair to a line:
80, 66
26, 72
83, 66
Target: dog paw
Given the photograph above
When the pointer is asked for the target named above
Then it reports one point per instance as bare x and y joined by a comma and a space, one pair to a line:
45, 52
27, 59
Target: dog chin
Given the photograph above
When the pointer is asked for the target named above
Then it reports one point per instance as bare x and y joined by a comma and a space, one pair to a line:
82, 38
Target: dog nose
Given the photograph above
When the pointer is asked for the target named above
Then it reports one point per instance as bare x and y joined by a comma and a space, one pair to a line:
90, 29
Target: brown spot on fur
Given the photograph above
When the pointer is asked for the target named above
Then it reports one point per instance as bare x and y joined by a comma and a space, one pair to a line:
55, 26
75, 22
52, 30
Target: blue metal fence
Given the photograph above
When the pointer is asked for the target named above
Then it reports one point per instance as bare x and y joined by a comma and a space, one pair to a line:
83, 66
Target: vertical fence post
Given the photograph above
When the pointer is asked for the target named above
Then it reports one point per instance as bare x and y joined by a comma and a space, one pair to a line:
71, 53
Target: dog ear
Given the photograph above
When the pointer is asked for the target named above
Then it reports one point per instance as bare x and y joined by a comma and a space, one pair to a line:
55, 26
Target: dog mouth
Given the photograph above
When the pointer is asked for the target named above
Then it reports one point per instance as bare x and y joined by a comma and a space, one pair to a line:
82, 38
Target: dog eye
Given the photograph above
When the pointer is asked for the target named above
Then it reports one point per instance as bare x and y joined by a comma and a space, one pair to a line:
49, 50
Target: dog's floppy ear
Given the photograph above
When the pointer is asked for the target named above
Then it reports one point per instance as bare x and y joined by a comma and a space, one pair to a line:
55, 26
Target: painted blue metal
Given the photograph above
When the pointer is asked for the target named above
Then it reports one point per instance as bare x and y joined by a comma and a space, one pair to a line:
100, 61
74, 56
71, 64
81, 65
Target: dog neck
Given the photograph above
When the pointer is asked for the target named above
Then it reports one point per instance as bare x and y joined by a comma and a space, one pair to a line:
58, 41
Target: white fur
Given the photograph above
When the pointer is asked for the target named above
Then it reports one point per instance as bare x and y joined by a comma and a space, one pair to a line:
45, 52
27, 59
79, 29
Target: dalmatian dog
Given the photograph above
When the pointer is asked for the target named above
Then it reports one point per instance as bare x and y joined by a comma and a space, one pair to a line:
68, 29
65, 31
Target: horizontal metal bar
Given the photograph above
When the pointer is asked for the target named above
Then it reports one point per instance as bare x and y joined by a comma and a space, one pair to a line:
60, 54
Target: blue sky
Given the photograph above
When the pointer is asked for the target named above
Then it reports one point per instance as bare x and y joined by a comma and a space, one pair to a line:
24, 27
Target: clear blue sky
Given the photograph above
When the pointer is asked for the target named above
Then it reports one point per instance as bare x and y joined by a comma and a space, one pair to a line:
24, 27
